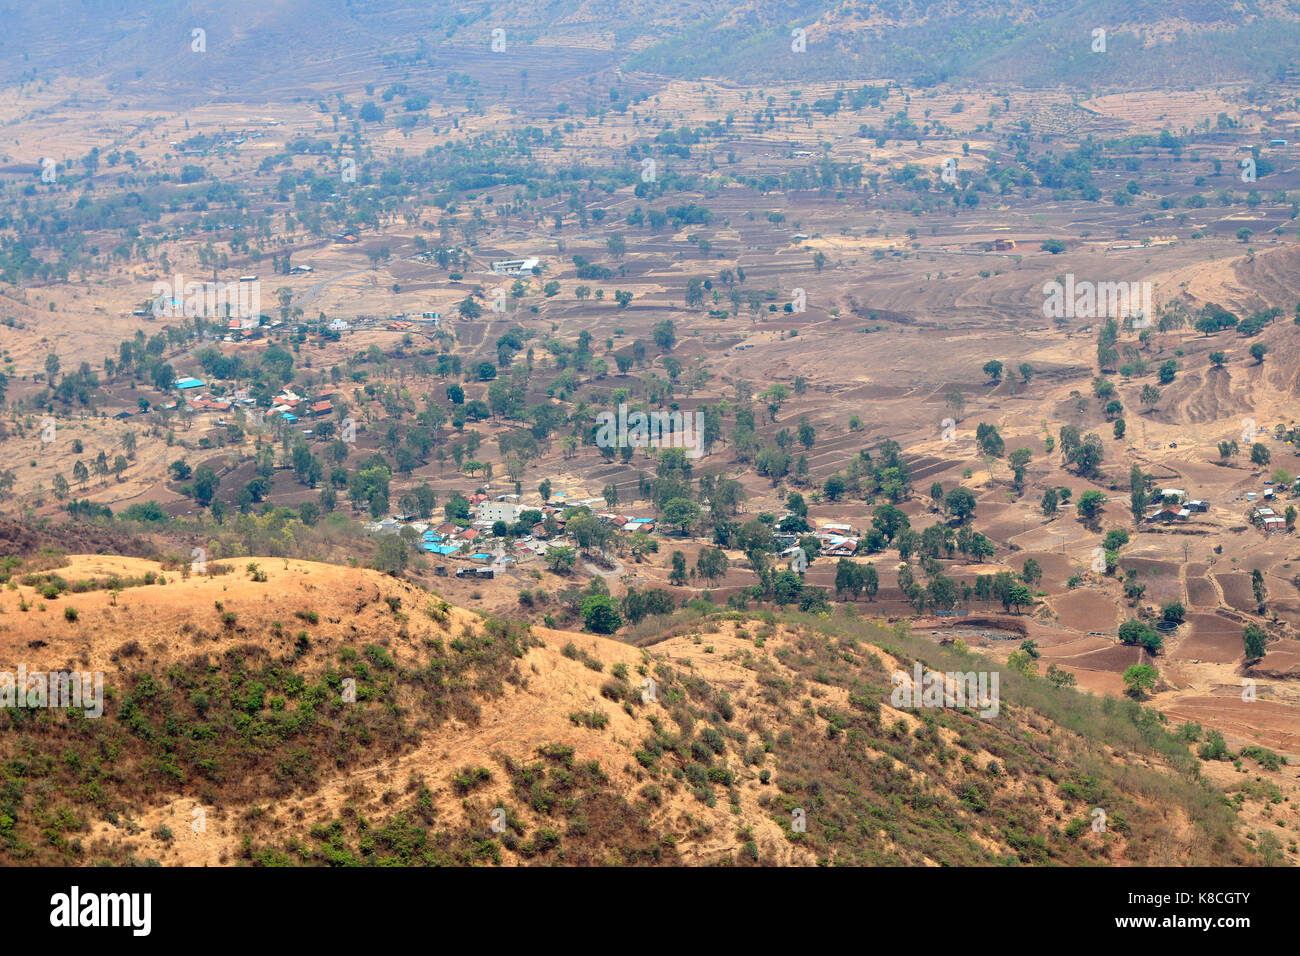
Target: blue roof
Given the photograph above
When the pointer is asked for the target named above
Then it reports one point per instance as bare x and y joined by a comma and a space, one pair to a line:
189, 383
441, 548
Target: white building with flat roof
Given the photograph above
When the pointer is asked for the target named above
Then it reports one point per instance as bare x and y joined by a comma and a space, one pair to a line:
515, 267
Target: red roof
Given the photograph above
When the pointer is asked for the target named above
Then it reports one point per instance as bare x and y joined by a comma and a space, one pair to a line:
210, 403
322, 407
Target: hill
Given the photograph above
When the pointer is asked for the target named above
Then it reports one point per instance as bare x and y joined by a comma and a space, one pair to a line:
276, 711
291, 49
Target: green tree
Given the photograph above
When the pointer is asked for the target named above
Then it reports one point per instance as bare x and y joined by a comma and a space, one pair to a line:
988, 440
677, 575
1134, 632
960, 502
1023, 663
1089, 505
889, 520
1255, 640
206, 482
392, 554
870, 581
1139, 680
665, 335
711, 564
600, 614
1257, 585
681, 512
786, 588
1049, 502
1059, 677
1032, 571
1019, 596
1019, 460
561, 558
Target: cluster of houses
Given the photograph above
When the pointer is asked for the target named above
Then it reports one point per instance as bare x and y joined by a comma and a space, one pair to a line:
291, 407
477, 543
627, 523
246, 327
287, 405
1267, 520
1172, 504
1264, 517
837, 541
443, 539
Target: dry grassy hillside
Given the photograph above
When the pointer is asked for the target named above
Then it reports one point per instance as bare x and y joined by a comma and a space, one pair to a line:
228, 738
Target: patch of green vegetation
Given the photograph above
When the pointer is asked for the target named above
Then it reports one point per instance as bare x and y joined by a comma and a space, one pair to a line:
232, 728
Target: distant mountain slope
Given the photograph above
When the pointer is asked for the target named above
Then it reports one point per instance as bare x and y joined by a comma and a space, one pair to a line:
254, 47
1148, 43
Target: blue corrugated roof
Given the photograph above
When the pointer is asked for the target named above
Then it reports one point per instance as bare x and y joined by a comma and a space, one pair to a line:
441, 548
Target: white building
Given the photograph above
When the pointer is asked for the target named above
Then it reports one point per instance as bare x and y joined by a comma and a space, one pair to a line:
492, 511
514, 267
